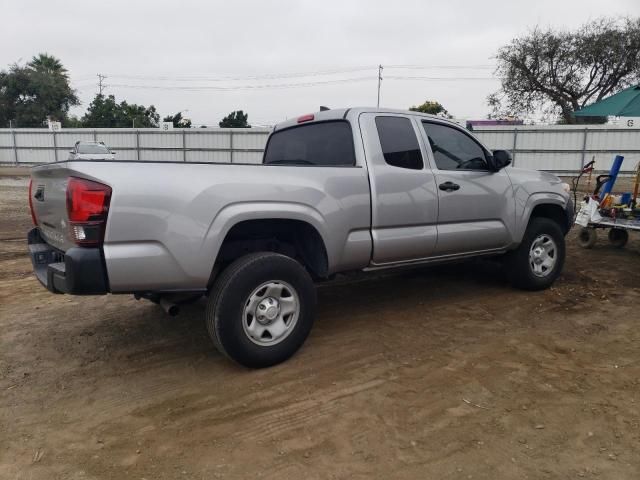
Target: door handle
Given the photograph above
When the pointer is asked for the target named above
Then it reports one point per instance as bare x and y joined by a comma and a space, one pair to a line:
449, 186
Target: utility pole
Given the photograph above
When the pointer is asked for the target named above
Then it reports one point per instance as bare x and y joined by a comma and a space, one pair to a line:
380, 68
101, 85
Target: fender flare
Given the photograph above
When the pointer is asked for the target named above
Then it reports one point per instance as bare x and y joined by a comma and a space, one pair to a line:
534, 200
234, 213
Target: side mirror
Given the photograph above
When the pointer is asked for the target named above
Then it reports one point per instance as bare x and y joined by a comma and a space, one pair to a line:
499, 160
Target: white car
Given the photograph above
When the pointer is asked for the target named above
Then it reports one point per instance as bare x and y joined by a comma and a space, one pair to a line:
91, 151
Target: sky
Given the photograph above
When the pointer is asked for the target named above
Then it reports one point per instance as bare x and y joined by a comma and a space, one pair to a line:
279, 59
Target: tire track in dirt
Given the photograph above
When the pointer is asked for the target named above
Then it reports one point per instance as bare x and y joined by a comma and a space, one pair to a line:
303, 413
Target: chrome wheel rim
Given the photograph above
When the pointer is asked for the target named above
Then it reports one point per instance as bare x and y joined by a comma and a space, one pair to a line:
270, 313
543, 255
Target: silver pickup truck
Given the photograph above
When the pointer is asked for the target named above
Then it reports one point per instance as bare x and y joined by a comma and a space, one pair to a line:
337, 191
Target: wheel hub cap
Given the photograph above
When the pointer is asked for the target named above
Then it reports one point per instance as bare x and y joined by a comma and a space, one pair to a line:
270, 313
542, 255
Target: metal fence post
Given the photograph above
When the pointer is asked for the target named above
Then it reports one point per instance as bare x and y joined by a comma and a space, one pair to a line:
184, 145
14, 145
584, 147
513, 150
55, 147
137, 144
231, 145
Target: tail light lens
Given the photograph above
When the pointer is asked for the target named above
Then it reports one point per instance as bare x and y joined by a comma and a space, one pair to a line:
87, 207
33, 213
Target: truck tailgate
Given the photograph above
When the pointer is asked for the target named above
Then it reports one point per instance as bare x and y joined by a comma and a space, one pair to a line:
49, 200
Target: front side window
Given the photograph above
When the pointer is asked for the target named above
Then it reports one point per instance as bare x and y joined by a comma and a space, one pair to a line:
399, 142
453, 149
323, 143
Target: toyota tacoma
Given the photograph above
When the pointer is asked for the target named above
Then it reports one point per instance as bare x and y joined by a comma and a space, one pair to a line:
337, 191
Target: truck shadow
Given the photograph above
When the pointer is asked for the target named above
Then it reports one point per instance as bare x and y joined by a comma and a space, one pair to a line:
415, 286
133, 333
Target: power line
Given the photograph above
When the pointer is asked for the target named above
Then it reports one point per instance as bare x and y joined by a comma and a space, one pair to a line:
297, 84
451, 79
444, 67
244, 87
230, 77
275, 76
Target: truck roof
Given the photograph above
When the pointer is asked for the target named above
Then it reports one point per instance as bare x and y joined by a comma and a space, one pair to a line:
351, 113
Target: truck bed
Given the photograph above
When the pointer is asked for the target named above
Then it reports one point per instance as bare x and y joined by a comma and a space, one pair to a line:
167, 220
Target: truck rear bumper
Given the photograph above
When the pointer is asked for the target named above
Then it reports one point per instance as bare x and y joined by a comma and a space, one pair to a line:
78, 271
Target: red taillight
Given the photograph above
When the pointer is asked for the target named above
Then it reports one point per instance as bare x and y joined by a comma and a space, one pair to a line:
33, 213
305, 118
87, 207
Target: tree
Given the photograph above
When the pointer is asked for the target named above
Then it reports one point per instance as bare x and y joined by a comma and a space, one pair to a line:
72, 122
236, 119
431, 107
105, 112
178, 120
558, 72
138, 116
46, 63
32, 93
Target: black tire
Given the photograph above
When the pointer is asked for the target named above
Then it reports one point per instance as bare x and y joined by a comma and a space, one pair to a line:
618, 237
231, 292
519, 268
587, 237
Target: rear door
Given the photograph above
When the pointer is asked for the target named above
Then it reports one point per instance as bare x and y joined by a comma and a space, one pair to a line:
476, 205
404, 204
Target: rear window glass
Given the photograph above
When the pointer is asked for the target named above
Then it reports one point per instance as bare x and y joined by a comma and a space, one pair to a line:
399, 142
92, 149
326, 143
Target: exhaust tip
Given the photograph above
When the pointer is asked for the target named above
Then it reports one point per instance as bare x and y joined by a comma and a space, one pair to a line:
170, 308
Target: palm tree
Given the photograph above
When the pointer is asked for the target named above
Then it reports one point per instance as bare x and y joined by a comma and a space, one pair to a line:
45, 63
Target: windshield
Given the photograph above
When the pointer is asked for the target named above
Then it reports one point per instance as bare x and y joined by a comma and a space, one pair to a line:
92, 148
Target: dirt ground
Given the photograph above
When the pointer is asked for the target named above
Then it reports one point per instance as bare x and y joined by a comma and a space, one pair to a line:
443, 373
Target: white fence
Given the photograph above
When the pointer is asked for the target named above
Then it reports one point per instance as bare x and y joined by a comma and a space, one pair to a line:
556, 148
564, 148
237, 145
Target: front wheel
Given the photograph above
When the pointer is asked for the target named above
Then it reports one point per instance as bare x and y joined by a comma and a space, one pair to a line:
538, 260
261, 309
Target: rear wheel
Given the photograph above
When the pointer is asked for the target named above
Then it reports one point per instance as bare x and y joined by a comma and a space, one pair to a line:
261, 309
618, 237
538, 260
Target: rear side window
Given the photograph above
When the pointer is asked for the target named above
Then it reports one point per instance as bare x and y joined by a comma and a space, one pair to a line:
399, 142
326, 143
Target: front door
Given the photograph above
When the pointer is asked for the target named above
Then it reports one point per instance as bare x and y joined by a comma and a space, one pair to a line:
476, 205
